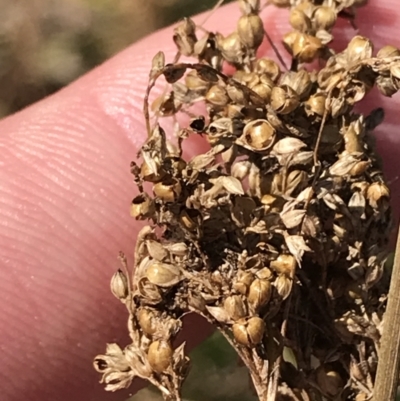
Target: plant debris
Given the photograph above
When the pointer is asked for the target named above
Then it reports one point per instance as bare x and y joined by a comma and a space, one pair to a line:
278, 234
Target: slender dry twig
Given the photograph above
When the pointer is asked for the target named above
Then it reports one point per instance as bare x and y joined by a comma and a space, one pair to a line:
387, 374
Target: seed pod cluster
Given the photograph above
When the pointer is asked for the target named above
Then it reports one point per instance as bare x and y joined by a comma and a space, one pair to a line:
277, 234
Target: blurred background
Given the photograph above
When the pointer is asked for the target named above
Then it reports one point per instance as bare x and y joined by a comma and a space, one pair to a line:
46, 44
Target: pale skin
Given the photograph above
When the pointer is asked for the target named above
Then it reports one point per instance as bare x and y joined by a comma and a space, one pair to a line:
65, 191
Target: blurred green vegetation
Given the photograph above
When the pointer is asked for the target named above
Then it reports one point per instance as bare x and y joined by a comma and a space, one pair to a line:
216, 375
46, 44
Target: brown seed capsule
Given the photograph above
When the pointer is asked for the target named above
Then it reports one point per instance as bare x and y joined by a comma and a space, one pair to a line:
388, 51
249, 332
159, 355
359, 48
147, 319
283, 285
119, 285
306, 47
235, 307
185, 36
231, 48
360, 168
194, 82
299, 20
284, 99
249, 6
251, 31
307, 7
163, 274
150, 292
395, 71
324, 17
168, 190
376, 192
315, 104
284, 264
263, 91
264, 274
258, 135
142, 206
299, 81
235, 94
259, 293
148, 174
217, 96
386, 85
243, 282
268, 67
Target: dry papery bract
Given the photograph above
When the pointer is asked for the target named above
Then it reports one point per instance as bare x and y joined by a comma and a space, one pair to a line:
278, 234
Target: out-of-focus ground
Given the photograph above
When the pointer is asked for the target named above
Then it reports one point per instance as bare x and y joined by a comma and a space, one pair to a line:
46, 44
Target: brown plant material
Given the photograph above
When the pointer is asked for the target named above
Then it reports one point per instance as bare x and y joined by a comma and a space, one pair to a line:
278, 233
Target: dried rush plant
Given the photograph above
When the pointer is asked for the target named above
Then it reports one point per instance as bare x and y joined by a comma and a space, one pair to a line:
278, 234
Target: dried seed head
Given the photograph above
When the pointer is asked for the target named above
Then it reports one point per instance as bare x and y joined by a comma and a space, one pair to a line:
299, 20
119, 285
249, 332
235, 307
159, 355
283, 285
231, 48
386, 85
284, 264
258, 135
395, 72
185, 36
377, 192
142, 207
301, 46
263, 88
299, 81
284, 99
235, 94
163, 274
388, 51
243, 282
249, 6
360, 168
268, 67
359, 48
149, 291
251, 31
217, 96
148, 174
148, 320
168, 190
259, 293
264, 274
324, 18
307, 7
194, 82
315, 104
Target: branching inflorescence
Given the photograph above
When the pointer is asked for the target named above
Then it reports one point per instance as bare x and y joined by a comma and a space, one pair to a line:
278, 234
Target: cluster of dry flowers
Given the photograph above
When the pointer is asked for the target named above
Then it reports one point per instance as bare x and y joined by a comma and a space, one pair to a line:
277, 235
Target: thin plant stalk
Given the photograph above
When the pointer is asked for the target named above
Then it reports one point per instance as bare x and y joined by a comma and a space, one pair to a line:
389, 357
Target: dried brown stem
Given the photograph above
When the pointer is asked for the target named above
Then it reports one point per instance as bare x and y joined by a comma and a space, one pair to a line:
389, 357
